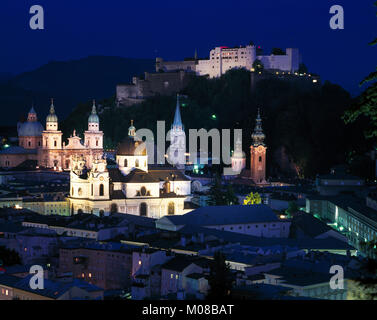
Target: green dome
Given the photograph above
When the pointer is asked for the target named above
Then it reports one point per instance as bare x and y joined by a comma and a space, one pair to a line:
93, 118
52, 117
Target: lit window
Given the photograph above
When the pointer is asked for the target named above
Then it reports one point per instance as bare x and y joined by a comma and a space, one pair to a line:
171, 276
90, 275
139, 262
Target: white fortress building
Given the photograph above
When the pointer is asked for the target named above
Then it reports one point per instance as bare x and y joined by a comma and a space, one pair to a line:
222, 59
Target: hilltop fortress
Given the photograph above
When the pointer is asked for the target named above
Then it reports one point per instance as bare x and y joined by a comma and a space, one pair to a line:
173, 76
222, 59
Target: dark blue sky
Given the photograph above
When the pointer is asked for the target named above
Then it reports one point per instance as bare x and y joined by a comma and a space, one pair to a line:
173, 29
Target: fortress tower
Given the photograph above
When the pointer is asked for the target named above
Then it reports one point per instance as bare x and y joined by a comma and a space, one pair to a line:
258, 153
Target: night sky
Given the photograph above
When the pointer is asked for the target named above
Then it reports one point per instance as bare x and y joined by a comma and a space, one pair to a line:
173, 29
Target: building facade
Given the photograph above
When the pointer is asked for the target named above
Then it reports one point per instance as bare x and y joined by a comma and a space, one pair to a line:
55, 154
131, 187
46, 148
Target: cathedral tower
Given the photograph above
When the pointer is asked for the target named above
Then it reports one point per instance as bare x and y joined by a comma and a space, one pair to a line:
93, 136
50, 155
258, 153
177, 149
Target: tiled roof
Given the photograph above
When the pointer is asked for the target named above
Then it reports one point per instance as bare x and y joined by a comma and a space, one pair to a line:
224, 215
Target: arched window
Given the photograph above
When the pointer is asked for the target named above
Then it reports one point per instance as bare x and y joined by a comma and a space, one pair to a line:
171, 208
101, 189
80, 192
96, 143
92, 188
260, 158
143, 209
55, 143
125, 163
80, 211
29, 143
137, 163
143, 191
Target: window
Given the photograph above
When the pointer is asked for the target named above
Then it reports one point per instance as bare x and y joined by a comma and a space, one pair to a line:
80, 192
171, 208
143, 191
125, 162
137, 163
55, 143
101, 189
260, 158
92, 189
143, 209
29, 143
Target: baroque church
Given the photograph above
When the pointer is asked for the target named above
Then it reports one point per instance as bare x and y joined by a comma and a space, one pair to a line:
132, 185
44, 147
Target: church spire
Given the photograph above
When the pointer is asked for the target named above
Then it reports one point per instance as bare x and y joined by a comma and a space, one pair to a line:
258, 135
177, 123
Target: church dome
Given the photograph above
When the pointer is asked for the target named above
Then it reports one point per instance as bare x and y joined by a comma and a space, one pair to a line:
52, 117
30, 128
129, 147
93, 118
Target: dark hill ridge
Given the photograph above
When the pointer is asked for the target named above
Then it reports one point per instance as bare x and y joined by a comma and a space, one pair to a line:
69, 82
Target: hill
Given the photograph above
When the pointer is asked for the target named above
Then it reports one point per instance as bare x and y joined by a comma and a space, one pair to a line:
69, 82
305, 133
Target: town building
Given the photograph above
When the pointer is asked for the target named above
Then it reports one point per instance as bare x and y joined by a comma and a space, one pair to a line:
256, 220
107, 265
15, 288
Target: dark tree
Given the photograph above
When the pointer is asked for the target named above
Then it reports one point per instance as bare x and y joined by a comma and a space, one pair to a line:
258, 65
367, 102
220, 278
9, 257
277, 52
302, 68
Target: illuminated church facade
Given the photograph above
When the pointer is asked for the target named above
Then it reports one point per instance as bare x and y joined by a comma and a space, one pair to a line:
44, 146
131, 186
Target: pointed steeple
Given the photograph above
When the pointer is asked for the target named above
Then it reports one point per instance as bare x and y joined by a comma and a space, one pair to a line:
51, 117
177, 123
258, 135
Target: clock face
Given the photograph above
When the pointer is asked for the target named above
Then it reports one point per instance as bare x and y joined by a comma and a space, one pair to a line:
260, 149
101, 178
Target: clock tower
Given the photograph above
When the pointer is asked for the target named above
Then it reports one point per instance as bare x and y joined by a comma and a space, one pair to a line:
258, 153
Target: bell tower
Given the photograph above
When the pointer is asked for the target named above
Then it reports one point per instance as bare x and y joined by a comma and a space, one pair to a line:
177, 149
258, 153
